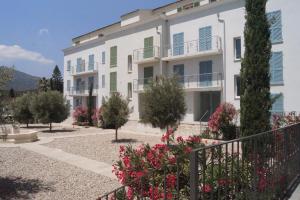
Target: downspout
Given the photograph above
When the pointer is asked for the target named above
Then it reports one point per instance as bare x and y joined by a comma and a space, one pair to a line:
224, 56
163, 33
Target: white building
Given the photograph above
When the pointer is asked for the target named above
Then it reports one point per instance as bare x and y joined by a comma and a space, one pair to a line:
201, 41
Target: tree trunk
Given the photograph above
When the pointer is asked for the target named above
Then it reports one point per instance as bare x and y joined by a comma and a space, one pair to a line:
116, 135
50, 127
27, 125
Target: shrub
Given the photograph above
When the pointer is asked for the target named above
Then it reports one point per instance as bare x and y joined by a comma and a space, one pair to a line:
282, 120
80, 114
222, 121
144, 168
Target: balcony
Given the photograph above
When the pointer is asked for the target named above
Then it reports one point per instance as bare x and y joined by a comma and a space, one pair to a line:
196, 82
82, 90
194, 49
84, 69
146, 55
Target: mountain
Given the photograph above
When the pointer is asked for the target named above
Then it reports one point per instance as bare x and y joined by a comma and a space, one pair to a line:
22, 82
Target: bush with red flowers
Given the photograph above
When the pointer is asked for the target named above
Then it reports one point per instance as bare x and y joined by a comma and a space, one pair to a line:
146, 167
80, 116
282, 120
222, 122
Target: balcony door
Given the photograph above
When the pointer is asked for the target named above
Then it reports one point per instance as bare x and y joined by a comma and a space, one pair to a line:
209, 101
148, 47
148, 75
205, 73
178, 71
91, 82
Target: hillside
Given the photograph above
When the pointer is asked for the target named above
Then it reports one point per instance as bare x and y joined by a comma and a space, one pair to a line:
23, 82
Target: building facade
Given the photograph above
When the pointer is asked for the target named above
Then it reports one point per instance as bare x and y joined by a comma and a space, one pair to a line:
199, 41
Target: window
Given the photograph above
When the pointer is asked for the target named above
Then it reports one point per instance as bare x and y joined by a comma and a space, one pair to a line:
237, 48
79, 65
276, 68
113, 56
205, 72
205, 37
69, 65
178, 70
148, 75
277, 106
129, 90
91, 62
103, 81
274, 19
129, 67
113, 81
148, 47
237, 86
178, 44
91, 81
103, 57
68, 85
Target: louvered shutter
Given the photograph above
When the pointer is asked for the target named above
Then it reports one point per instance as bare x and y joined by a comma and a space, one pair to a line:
178, 44
277, 106
205, 38
276, 68
274, 19
113, 56
148, 47
113, 81
91, 62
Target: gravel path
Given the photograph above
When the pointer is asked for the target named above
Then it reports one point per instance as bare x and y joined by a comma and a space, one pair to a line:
101, 147
27, 175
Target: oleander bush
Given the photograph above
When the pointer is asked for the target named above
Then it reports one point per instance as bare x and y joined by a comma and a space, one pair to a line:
80, 116
222, 123
280, 120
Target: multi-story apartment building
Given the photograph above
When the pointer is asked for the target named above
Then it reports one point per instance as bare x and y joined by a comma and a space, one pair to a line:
201, 41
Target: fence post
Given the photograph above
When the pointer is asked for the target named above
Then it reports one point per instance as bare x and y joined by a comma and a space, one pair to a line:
194, 176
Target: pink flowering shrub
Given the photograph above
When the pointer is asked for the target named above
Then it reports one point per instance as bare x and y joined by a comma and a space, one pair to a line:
282, 120
144, 168
222, 121
80, 116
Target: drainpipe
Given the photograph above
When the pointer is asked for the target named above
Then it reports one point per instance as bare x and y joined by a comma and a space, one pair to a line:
162, 33
222, 21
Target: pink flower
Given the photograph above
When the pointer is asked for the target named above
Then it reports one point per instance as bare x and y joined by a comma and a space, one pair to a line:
207, 188
129, 193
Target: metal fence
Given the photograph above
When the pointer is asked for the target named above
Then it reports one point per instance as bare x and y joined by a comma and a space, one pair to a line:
262, 166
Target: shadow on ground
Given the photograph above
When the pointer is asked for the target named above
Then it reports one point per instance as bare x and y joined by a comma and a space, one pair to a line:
58, 131
20, 188
124, 141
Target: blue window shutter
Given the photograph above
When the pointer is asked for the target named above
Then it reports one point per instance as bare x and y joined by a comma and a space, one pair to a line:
178, 44
91, 62
276, 68
274, 19
205, 70
277, 106
205, 38
78, 66
178, 70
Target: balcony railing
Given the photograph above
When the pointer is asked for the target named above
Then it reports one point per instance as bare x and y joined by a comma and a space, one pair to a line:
146, 54
82, 90
84, 68
195, 48
196, 81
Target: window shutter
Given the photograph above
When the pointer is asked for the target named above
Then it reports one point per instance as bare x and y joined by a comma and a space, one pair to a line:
205, 73
179, 71
91, 62
274, 19
148, 47
103, 57
276, 68
205, 38
113, 56
113, 81
69, 65
178, 44
148, 74
277, 106
78, 66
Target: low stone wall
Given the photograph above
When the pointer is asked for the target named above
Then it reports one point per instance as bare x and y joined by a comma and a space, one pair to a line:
19, 137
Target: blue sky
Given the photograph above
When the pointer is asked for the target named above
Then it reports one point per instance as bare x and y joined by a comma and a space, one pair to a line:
34, 32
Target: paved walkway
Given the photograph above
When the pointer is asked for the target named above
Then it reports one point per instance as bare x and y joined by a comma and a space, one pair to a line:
296, 194
100, 168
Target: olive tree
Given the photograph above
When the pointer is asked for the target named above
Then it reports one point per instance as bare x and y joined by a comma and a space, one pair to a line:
115, 112
163, 103
21, 109
50, 107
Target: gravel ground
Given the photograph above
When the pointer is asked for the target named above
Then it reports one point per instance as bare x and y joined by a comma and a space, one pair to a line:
101, 147
27, 175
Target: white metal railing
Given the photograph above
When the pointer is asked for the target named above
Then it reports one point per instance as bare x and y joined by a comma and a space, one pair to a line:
82, 90
85, 67
146, 53
194, 47
194, 81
